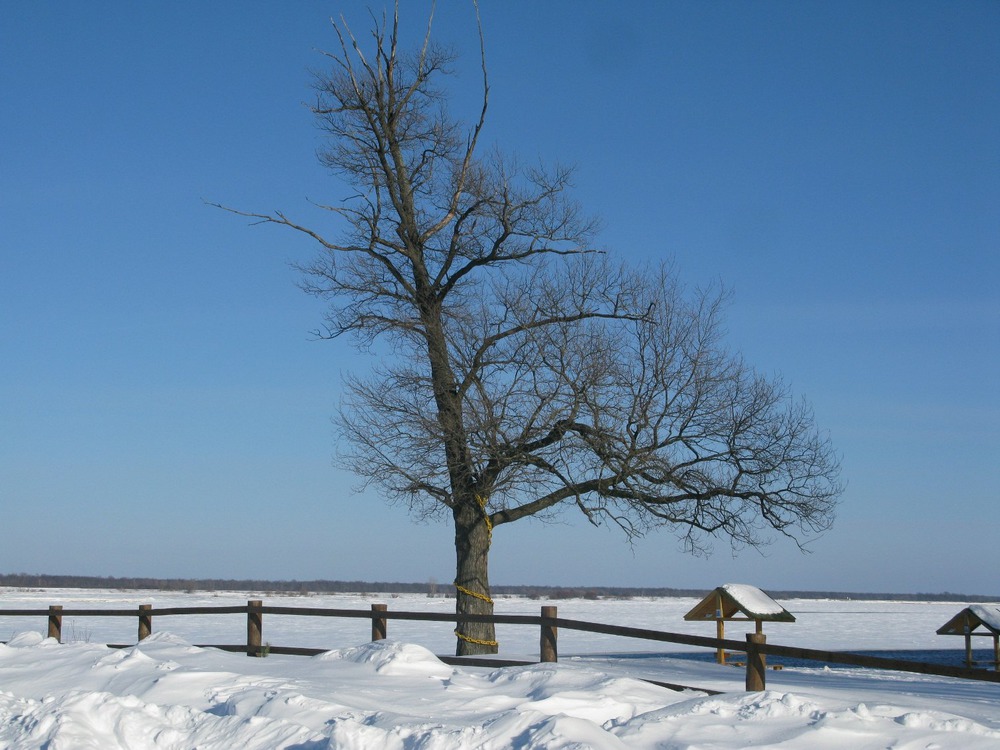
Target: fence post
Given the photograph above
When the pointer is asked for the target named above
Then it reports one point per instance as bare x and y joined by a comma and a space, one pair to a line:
145, 621
756, 663
55, 622
547, 646
255, 625
379, 624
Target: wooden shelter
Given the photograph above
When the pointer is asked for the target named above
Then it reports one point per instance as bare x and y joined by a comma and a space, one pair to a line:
968, 623
738, 602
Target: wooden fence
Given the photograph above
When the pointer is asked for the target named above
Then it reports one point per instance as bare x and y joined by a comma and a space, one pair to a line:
549, 623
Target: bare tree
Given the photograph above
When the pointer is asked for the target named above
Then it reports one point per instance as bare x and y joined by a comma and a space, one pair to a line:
529, 373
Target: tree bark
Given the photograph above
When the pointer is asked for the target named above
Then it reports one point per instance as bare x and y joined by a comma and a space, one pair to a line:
473, 536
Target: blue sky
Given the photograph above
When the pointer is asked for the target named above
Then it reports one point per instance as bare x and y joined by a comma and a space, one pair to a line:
165, 412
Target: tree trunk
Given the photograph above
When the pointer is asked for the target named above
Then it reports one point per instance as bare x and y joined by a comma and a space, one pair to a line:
473, 529
473, 535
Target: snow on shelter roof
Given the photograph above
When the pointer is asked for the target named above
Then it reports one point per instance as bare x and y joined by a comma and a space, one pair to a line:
733, 599
987, 615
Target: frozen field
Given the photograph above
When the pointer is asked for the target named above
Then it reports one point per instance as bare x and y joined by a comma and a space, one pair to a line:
396, 694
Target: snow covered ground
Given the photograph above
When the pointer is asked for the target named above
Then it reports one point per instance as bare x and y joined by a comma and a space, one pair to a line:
165, 693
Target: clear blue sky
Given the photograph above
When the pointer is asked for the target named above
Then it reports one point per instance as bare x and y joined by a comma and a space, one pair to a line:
164, 412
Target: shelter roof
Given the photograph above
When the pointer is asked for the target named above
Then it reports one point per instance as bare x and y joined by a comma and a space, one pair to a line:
732, 600
986, 615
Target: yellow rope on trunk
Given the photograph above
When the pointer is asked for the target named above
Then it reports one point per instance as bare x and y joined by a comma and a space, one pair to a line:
486, 517
477, 595
477, 641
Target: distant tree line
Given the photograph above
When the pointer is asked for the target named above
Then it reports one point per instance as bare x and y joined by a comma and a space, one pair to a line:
430, 588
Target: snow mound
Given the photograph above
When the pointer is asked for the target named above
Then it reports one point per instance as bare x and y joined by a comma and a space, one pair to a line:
102, 721
391, 657
773, 719
164, 694
28, 639
165, 638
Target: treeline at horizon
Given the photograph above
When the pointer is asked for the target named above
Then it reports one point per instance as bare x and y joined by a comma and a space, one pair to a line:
431, 588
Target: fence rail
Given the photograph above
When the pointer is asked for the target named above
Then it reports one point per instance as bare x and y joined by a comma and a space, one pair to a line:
548, 622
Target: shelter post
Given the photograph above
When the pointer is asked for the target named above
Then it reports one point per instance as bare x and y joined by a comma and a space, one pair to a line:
720, 627
968, 641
